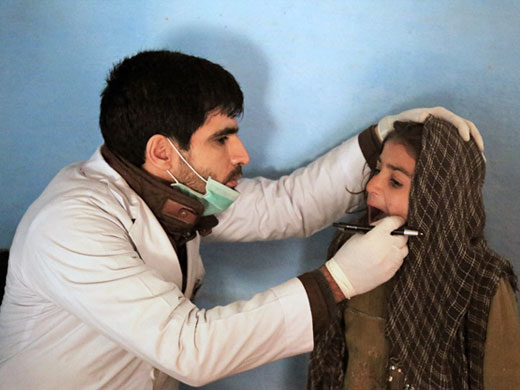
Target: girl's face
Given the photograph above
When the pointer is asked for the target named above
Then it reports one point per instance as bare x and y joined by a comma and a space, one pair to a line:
389, 189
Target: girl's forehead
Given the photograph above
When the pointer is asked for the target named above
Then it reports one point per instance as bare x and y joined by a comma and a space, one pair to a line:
396, 148
397, 157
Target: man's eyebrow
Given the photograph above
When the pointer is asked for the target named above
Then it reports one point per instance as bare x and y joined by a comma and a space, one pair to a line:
225, 131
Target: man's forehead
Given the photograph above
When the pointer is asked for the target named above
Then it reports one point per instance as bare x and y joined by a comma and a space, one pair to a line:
217, 124
219, 120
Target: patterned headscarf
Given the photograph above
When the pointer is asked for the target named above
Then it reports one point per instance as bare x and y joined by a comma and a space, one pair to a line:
439, 305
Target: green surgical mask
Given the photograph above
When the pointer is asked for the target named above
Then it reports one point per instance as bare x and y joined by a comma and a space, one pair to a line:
218, 197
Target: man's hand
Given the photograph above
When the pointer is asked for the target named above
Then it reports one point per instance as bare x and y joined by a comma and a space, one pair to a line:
466, 128
366, 261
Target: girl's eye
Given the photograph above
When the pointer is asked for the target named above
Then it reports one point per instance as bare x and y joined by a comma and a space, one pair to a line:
396, 184
377, 171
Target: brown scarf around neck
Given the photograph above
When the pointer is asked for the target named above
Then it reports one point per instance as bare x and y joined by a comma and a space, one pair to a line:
179, 214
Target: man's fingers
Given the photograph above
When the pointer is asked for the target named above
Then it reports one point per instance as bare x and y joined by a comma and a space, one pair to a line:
466, 128
404, 251
476, 135
389, 224
400, 241
460, 123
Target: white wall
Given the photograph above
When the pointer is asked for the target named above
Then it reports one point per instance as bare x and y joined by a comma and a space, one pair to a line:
313, 74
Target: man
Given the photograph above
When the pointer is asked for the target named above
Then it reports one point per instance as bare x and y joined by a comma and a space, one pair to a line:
104, 263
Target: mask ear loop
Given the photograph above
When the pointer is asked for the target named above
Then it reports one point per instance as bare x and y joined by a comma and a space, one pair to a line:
173, 177
185, 162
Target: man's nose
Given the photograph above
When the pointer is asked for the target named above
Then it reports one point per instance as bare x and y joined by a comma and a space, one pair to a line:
239, 155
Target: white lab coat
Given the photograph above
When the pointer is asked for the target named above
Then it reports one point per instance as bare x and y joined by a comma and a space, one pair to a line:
92, 298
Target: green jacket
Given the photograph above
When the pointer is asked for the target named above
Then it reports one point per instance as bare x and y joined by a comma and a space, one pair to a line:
367, 368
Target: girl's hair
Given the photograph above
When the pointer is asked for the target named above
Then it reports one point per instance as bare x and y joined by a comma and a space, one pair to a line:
408, 134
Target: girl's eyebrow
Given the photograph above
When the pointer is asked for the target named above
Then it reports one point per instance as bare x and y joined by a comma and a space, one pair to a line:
396, 168
400, 169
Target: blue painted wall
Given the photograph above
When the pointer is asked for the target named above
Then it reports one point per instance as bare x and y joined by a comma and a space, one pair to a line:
313, 73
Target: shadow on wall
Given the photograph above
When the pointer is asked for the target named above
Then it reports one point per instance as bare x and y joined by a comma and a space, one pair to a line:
4, 256
242, 58
229, 277
225, 280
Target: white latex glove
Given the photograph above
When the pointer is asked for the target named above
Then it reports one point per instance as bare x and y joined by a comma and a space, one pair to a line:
366, 261
466, 128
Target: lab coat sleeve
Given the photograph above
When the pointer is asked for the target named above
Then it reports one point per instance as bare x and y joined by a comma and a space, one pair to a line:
299, 204
82, 260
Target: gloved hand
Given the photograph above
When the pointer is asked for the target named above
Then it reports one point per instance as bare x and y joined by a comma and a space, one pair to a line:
466, 128
366, 261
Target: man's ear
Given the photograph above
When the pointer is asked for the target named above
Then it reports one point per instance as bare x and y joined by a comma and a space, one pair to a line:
159, 156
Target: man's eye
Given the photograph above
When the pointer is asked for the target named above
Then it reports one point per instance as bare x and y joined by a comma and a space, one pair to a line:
222, 140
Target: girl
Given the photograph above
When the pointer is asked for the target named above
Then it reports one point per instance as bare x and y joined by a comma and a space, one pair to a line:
448, 319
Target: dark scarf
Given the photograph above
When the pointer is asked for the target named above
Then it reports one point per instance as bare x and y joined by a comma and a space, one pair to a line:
179, 215
439, 305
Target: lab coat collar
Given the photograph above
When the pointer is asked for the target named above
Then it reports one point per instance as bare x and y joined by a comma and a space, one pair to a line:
148, 236
179, 214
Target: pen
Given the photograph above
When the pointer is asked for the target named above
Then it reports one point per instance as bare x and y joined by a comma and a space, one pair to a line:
364, 229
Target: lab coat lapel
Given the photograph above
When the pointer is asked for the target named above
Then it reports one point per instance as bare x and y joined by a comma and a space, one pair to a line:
148, 236
153, 244
195, 267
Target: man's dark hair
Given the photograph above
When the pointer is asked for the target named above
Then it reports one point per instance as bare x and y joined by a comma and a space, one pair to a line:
163, 92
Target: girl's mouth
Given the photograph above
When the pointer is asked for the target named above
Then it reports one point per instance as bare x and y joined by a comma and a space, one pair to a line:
375, 214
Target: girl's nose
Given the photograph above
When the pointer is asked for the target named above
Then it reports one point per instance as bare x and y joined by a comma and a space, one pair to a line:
373, 184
